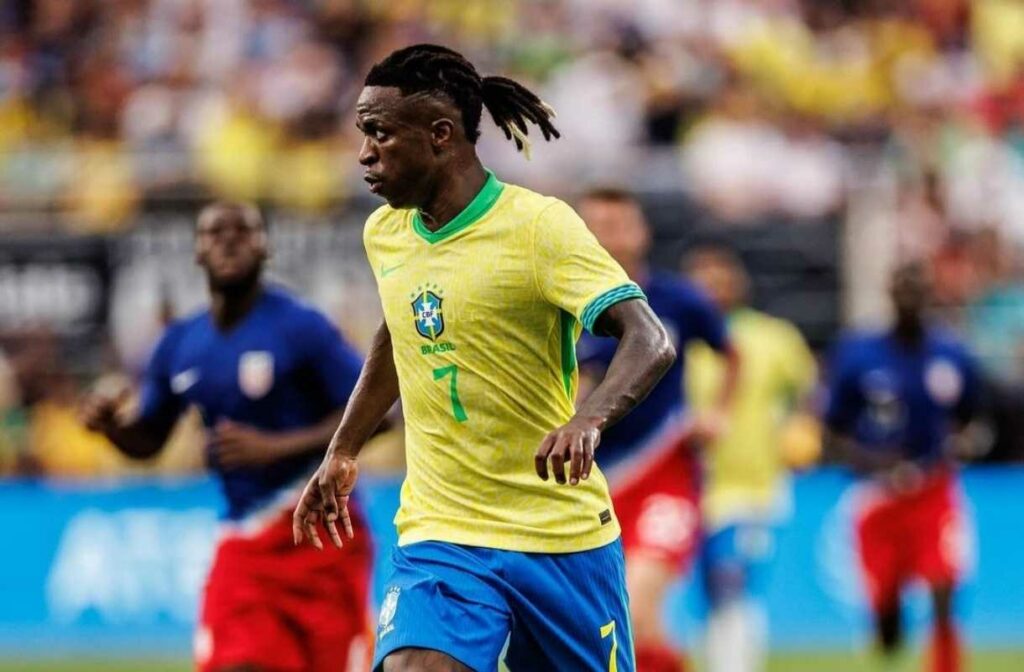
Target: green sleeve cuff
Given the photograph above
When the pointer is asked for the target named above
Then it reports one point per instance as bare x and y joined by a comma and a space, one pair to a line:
604, 301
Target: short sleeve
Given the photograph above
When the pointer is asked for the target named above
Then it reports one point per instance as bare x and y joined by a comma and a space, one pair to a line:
334, 363
572, 270
158, 404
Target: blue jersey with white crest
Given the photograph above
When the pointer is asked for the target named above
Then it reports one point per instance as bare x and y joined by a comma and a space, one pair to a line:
282, 367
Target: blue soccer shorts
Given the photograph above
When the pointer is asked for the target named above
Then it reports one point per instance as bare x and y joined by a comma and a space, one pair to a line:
555, 611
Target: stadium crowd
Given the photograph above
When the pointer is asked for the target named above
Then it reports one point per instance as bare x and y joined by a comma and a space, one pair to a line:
110, 108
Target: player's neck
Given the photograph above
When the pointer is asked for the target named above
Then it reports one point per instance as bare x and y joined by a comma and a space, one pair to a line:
457, 190
909, 332
230, 306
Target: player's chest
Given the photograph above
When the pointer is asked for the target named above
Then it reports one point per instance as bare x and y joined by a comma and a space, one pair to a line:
220, 374
933, 382
430, 296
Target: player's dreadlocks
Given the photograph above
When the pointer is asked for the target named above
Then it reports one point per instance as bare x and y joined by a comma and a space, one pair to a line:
429, 68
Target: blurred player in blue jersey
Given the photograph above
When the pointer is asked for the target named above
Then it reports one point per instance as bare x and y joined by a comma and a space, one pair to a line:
270, 376
745, 494
649, 458
898, 401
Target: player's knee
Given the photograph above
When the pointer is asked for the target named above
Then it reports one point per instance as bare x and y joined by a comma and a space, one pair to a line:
889, 625
421, 660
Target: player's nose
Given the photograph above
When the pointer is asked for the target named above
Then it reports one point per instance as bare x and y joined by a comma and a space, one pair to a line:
367, 153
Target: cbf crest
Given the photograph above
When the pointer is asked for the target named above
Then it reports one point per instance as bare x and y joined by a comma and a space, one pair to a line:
256, 373
427, 312
387, 611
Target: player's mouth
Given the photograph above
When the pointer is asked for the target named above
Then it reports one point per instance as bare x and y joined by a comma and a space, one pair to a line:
375, 183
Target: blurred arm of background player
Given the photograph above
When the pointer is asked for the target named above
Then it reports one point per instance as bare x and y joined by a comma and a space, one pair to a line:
325, 498
235, 445
712, 423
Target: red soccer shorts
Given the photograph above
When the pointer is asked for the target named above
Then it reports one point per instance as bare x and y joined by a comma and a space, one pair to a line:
659, 510
286, 608
915, 535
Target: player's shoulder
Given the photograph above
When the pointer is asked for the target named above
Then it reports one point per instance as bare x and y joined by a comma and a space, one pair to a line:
288, 308
858, 346
525, 202
663, 287
384, 220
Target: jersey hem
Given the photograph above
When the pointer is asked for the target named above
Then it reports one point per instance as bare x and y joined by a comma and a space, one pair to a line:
604, 536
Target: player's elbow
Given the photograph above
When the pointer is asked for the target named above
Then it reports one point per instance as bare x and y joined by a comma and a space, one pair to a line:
663, 352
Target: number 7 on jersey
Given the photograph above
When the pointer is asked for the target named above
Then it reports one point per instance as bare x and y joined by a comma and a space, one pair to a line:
453, 387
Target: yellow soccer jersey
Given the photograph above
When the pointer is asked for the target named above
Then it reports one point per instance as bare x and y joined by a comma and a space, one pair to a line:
484, 315
744, 468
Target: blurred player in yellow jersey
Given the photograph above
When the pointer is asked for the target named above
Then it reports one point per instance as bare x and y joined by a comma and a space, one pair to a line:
745, 493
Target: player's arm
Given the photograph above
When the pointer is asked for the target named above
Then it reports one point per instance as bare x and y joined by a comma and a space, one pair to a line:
144, 434
709, 326
239, 445
138, 437
643, 355
325, 498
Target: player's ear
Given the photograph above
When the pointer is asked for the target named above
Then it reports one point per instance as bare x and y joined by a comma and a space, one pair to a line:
441, 133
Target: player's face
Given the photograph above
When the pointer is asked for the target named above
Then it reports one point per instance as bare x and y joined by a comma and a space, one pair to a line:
723, 282
911, 292
230, 247
620, 228
399, 154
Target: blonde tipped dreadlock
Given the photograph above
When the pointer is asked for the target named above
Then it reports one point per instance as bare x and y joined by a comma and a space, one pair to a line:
431, 68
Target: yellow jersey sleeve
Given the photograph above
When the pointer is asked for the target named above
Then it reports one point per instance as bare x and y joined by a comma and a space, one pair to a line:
571, 268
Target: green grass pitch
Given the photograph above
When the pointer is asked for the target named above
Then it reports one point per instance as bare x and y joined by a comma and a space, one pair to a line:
1006, 661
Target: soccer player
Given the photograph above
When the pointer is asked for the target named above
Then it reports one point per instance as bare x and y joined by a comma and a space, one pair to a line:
897, 400
270, 377
506, 529
745, 497
650, 459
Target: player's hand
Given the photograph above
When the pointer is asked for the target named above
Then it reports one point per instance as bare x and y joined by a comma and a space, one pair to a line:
708, 427
325, 500
99, 412
237, 445
574, 444
903, 478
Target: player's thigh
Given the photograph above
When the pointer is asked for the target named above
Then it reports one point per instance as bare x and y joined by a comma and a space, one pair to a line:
422, 660
240, 623
736, 560
570, 612
940, 539
444, 598
882, 549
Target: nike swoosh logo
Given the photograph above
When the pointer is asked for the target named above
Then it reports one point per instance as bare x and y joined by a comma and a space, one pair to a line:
385, 272
183, 381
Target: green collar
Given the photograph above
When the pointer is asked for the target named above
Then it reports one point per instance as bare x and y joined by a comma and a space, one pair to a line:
476, 209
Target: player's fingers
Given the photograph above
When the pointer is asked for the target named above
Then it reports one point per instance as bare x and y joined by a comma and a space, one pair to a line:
540, 459
346, 520
575, 459
309, 529
589, 447
558, 459
332, 532
307, 500
328, 502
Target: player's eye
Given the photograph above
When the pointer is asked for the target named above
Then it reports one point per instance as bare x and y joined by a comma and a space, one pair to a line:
380, 136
